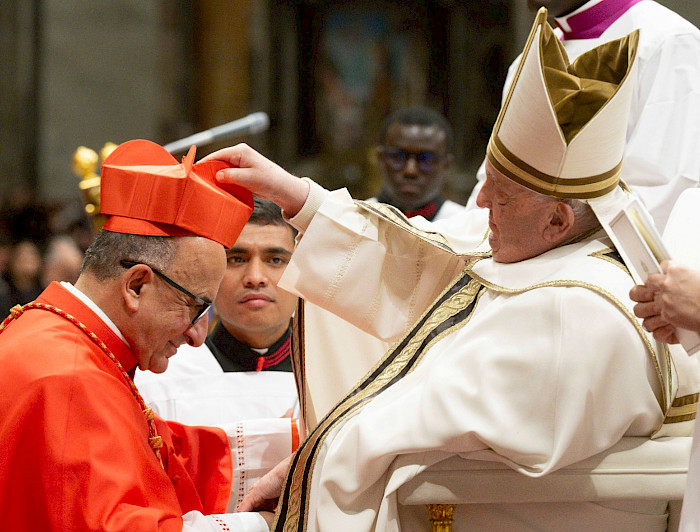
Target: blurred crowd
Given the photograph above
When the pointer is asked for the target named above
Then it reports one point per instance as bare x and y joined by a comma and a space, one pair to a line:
40, 242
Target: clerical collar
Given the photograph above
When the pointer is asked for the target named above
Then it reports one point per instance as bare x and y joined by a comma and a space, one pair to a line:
93, 306
593, 18
427, 211
233, 355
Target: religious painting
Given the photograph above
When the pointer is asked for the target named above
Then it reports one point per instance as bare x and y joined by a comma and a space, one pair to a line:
366, 63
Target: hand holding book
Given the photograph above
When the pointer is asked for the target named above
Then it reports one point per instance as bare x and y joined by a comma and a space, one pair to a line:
669, 293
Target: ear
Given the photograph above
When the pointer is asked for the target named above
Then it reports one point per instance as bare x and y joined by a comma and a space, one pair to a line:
133, 283
561, 220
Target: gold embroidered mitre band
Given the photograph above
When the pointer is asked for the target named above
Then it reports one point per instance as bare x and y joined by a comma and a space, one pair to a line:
561, 129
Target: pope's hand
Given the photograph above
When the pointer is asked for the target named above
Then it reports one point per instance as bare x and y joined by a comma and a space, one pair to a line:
262, 177
264, 493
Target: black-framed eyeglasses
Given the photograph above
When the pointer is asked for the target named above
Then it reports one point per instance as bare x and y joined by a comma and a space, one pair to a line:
396, 159
202, 305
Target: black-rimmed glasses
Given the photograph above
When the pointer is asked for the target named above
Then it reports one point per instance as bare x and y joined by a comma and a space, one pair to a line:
202, 306
396, 159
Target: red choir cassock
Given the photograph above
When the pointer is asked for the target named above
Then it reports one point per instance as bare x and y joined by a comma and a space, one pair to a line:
75, 442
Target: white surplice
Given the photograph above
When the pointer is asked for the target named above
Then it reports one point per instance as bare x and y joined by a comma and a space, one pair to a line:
196, 391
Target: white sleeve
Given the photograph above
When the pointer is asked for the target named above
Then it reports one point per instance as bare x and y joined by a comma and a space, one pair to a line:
257, 446
374, 274
661, 158
243, 522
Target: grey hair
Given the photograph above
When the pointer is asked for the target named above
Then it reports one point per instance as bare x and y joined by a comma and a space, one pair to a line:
103, 256
584, 216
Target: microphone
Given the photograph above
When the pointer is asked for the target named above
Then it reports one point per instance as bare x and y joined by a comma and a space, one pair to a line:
248, 125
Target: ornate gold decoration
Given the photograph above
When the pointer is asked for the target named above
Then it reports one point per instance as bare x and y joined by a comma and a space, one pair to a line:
441, 517
84, 163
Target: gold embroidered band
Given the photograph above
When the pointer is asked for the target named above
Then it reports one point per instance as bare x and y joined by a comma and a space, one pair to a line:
450, 311
516, 169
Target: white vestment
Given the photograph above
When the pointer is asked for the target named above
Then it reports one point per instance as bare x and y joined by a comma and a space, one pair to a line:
661, 158
195, 390
536, 378
326, 348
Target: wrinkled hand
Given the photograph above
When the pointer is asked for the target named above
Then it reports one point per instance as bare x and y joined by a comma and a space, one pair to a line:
669, 300
265, 492
262, 177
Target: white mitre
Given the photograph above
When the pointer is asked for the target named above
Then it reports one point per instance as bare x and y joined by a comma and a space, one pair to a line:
561, 129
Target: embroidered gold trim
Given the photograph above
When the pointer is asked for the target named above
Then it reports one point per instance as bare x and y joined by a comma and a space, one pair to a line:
549, 181
682, 409
686, 400
605, 255
457, 302
679, 419
394, 216
510, 166
298, 356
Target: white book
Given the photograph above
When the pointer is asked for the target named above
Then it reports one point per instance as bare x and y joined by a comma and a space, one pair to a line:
642, 248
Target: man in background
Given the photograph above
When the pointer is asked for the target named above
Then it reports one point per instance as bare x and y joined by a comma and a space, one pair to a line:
414, 156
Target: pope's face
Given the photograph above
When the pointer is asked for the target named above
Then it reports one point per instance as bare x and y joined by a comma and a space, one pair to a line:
166, 322
413, 162
518, 217
250, 305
